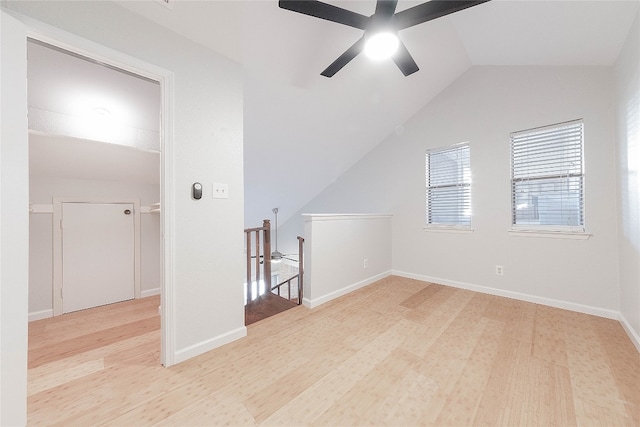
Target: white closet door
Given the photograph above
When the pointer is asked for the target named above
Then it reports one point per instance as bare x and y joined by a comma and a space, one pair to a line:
97, 254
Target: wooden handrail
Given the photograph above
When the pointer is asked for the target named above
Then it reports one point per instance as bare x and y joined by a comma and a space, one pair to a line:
288, 282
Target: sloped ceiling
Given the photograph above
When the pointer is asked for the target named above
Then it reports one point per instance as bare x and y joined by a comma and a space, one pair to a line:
302, 130
72, 158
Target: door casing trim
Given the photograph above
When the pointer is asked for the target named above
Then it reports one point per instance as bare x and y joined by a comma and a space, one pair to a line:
65, 40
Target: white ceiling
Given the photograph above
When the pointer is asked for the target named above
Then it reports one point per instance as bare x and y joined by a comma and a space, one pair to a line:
72, 85
308, 129
68, 140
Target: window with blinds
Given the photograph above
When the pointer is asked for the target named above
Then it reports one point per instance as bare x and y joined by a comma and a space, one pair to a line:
547, 178
449, 187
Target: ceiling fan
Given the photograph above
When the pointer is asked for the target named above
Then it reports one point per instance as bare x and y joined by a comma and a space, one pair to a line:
276, 255
380, 37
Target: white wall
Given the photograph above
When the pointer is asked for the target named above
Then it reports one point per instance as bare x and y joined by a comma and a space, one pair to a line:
42, 190
336, 247
207, 238
483, 107
627, 79
14, 223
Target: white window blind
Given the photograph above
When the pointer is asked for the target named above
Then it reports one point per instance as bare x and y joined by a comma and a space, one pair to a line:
547, 178
449, 186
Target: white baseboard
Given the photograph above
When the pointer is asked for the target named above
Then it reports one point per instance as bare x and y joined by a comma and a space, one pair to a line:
149, 292
210, 344
633, 335
580, 308
42, 314
312, 303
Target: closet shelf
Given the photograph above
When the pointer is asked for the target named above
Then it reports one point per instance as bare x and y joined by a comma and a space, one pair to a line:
152, 208
36, 208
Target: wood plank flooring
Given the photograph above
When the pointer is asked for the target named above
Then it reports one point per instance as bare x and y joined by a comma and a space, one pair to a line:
399, 352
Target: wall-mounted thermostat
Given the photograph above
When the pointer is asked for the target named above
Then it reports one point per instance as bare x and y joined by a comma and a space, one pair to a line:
196, 191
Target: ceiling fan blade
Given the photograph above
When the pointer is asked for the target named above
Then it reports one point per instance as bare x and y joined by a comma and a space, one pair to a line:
386, 8
404, 60
344, 59
326, 11
431, 10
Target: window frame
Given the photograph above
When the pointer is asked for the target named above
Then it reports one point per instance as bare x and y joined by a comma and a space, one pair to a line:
446, 227
549, 230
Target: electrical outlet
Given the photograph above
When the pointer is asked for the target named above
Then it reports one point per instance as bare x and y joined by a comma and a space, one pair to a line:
499, 270
365, 263
220, 191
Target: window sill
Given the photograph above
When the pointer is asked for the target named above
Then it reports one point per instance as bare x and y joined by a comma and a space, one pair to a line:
448, 230
551, 234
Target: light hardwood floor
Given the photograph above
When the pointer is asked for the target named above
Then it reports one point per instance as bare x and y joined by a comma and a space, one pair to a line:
398, 352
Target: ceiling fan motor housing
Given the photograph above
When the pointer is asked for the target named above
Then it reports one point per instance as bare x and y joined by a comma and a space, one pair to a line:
384, 19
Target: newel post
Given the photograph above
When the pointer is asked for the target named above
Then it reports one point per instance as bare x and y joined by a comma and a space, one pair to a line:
249, 295
267, 255
300, 268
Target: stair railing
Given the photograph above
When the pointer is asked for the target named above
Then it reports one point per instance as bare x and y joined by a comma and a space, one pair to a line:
260, 255
299, 276
265, 230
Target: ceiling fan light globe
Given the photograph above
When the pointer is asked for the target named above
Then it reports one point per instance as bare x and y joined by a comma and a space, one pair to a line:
381, 46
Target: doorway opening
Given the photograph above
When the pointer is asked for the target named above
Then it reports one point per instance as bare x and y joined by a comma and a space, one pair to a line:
96, 157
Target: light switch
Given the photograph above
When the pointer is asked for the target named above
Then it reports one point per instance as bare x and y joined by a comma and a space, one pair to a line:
220, 191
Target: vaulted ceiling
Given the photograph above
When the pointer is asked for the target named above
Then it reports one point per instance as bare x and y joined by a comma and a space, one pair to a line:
304, 130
